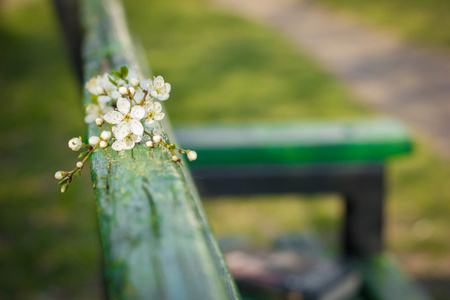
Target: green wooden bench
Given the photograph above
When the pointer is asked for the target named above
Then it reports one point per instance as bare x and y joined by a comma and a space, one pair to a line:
155, 237
346, 157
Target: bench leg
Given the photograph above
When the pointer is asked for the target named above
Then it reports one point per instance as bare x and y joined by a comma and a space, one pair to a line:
363, 224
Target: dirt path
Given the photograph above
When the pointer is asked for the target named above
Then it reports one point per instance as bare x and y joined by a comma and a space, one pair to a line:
406, 81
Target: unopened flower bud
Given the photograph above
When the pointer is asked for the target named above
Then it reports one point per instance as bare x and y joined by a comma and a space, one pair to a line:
94, 140
149, 144
75, 144
99, 122
59, 175
192, 155
79, 164
103, 144
132, 91
105, 135
175, 158
157, 139
64, 188
134, 82
123, 90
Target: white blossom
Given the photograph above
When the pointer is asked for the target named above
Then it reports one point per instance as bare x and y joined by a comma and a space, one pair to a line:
132, 91
126, 121
134, 82
191, 155
75, 144
79, 164
157, 139
105, 135
123, 90
158, 89
149, 144
94, 111
127, 143
99, 121
115, 94
175, 158
94, 140
103, 144
103, 99
153, 113
59, 175
99, 85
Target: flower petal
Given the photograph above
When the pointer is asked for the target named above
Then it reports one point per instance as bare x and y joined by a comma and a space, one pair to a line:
157, 107
128, 144
163, 97
136, 127
167, 88
121, 130
107, 109
159, 82
159, 116
90, 118
113, 117
123, 105
92, 109
103, 99
137, 112
136, 138
139, 96
154, 94
118, 145
115, 94
149, 122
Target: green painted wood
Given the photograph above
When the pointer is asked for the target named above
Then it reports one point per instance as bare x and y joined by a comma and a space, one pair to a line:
295, 142
384, 280
155, 237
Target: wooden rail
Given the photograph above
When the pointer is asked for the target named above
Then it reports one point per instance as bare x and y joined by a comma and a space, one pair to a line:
156, 240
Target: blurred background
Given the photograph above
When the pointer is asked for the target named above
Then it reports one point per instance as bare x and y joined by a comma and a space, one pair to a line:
223, 67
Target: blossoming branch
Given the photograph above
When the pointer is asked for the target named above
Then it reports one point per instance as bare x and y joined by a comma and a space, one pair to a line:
127, 109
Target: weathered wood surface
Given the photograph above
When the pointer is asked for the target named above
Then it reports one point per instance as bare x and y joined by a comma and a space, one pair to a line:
155, 237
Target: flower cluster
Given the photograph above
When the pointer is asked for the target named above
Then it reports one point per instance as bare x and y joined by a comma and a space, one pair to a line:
127, 109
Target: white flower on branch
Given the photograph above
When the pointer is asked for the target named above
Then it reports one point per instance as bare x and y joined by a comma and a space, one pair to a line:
157, 139
75, 144
94, 140
126, 121
159, 89
105, 135
134, 82
100, 85
127, 143
153, 113
94, 111
191, 155
59, 175
103, 144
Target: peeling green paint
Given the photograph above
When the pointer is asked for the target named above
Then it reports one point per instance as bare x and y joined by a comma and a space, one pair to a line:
155, 238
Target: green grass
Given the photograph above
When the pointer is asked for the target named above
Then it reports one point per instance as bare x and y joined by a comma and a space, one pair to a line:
222, 68
49, 245
423, 21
